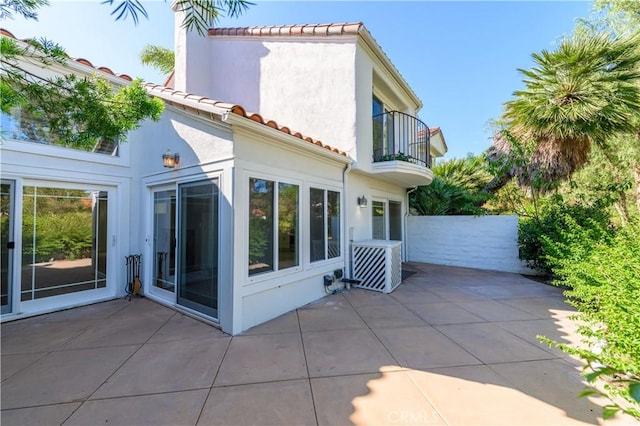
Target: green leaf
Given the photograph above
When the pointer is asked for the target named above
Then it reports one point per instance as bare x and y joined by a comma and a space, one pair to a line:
588, 392
594, 375
609, 411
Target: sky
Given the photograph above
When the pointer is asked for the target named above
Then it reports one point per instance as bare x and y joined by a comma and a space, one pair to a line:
460, 57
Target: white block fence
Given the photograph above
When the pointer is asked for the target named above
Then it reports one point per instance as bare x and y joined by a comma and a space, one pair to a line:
483, 242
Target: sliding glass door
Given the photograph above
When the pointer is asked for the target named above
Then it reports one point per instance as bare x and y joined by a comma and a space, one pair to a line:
164, 239
7, 243
198, 247
64, 241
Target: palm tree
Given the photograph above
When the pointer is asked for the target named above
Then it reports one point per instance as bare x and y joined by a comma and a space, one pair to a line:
582, 93
456, 188
158, 57
199, 14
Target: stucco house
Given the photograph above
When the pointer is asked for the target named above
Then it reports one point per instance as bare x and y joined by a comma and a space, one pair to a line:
280, 149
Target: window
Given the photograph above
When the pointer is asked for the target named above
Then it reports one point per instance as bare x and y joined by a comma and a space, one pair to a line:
383, 131
64, 241
288, 238
386, 220
378, 128
324, 215
273, 226
395, 220
25, 125
379, 220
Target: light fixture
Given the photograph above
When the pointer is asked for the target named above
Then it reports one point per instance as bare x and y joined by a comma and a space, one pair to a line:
362, 201
170, 160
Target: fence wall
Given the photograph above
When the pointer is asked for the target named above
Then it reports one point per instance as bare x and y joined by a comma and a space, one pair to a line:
485, 242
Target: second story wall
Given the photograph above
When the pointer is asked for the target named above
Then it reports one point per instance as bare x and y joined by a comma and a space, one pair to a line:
375, 79
319, 80
307, 85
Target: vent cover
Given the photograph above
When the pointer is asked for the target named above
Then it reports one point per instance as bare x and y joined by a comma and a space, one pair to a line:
377, 264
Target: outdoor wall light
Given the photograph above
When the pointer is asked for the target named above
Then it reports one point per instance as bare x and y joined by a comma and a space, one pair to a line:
170, 160
362, 201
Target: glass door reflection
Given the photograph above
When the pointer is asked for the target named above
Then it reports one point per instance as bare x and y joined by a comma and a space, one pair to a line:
164, 239
198, 247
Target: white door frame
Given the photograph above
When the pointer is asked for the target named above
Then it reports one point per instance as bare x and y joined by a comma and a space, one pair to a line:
10, 284
167, 295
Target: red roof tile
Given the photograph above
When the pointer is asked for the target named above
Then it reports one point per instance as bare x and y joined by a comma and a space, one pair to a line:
82, 61
285, 30
235, 109
322, 30
436, 130
180, 97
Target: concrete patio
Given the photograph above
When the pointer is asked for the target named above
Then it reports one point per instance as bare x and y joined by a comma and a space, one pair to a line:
449, 346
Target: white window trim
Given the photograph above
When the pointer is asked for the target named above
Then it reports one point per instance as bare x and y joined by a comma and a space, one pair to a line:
157, 291
387, 217
275, 273
321, 263
75, 298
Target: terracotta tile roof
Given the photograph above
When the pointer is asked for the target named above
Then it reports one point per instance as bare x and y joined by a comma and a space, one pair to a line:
200, 104
197, 103
82, 61
432, 131
435, 131
352, 28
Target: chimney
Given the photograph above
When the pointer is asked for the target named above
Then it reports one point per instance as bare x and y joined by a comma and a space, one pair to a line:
193, 57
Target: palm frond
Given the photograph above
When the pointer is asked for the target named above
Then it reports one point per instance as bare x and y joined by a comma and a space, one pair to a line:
584, 92
200, 15
158, 57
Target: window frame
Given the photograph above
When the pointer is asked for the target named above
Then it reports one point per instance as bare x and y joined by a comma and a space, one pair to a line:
387, 217
325, 189
12, 124
275, 271
111, 269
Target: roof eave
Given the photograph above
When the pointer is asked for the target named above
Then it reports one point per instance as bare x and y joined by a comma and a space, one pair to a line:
372, 44
239, 121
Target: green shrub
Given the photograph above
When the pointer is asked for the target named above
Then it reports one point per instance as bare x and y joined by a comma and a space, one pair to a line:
456, 189
602, 271
66, 235
551, 222
444, 198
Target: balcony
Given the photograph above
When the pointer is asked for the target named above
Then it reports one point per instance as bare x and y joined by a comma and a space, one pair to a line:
401, 149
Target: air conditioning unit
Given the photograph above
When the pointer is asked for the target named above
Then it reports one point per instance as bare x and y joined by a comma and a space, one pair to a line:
377, 264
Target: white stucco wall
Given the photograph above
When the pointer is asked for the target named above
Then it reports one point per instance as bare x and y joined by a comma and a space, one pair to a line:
198, 142
360, 218
261, 297
189, 48
486, 242
372, 78
206, 151
319, 86
306, 85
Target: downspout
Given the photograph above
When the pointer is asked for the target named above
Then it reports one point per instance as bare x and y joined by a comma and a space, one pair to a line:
347, 231
406, 223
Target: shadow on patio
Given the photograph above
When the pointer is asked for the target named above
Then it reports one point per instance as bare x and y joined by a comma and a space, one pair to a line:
449, 346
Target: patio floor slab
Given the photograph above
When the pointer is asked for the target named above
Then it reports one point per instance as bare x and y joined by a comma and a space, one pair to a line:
449, 346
